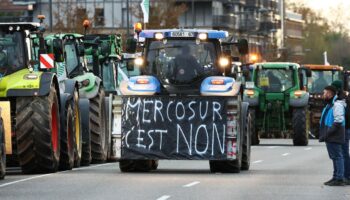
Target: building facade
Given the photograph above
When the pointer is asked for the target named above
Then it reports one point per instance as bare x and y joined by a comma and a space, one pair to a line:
259, 21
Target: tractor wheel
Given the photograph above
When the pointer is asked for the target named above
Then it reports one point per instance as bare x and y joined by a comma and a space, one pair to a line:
98, 129
38, 133
77, 135
2, 150
85, 132
154, 164
254, 133
67, 131
228, 166
300, 136
135, 165
246, 146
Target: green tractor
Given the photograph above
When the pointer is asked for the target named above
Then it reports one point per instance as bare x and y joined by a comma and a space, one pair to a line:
278, 102
95, 136
40, 124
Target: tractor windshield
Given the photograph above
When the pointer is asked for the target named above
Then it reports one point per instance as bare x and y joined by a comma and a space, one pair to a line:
71, 57
320, 79
181, 61
12, 56
275, 80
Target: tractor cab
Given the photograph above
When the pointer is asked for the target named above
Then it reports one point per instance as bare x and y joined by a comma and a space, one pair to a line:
15, 43
182, 58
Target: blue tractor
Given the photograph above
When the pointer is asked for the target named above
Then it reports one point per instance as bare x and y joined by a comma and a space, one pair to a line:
185, 104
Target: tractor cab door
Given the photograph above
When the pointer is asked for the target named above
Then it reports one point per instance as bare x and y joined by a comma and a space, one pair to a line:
73, 54
304, 76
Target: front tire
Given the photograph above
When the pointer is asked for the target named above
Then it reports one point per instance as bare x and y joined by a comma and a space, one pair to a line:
77, 124
98, 129
37, 131
300, 136
246, 146
67, 130
254, 133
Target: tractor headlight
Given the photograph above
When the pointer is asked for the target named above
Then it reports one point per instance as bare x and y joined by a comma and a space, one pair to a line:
139, 61
30, 77
158, 36
202, 36
224, 62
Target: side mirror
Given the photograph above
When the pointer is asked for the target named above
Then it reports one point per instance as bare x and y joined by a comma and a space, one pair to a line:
130, 65
243, 47
105, 49
58, 50
131, 45
81, 50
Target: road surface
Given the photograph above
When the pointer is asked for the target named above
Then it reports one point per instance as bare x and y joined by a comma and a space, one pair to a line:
278, 171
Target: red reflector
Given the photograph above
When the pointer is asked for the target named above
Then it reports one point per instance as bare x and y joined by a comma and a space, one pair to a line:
142, 81
217, 82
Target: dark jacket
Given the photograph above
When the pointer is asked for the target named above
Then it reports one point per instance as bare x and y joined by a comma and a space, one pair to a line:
332, 123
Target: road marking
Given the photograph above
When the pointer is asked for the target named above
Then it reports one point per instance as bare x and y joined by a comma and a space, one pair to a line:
164, 197
307, 149
191, 184
258, 161
272, 147
285, 154
22, 180
44, 175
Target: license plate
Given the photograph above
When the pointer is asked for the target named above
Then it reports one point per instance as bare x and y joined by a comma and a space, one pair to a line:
182, 34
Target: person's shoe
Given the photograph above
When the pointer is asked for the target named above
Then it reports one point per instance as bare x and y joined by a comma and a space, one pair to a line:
336, 182
326, 183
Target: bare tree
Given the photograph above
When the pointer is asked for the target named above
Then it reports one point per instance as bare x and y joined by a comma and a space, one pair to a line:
163, 14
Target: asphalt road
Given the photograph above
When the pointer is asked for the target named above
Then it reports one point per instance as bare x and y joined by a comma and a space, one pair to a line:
278, 171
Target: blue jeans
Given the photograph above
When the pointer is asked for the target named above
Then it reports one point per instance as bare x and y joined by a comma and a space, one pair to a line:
335, 153
346, 155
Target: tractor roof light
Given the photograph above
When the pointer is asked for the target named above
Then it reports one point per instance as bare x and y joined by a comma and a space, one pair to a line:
158, 36
139, 61
138, 27
224, 62
86, 23
202, 36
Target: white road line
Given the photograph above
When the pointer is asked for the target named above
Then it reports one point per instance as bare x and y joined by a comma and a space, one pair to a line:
258, 161
272, 147
191, 184
22, 180
307, 149
285, 154
44, 175
164, 197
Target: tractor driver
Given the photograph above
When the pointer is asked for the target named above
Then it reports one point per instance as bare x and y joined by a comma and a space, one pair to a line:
275, 84
186, 66
3, 62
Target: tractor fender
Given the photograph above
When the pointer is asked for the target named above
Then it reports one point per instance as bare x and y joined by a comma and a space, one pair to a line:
92, 93
69, 86
300, 102
84, 107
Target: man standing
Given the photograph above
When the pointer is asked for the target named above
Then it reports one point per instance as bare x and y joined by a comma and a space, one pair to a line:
345, 147
332, 131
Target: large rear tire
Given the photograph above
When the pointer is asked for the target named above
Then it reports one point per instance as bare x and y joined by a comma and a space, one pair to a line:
254, 133
37, 131
67, 131
135, 165
300, 136
231, 166
246, 146
2, 150
98, 129
85, 131
77, 136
